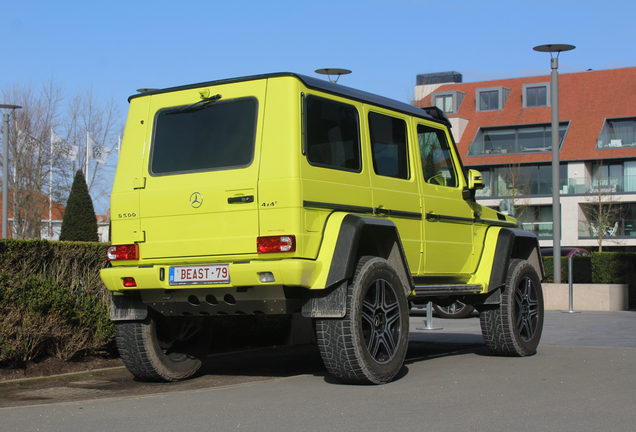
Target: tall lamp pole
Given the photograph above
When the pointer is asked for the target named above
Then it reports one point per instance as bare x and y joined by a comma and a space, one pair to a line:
556, 184
5, 165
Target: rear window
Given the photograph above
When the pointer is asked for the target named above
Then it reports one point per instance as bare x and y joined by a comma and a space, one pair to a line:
219, 136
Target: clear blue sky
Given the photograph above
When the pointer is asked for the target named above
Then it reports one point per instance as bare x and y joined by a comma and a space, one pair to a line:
119, 46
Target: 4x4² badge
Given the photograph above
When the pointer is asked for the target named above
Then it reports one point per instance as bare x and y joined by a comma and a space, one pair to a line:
196, 200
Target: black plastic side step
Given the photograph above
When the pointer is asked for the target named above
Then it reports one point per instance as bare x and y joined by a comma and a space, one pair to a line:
427, 290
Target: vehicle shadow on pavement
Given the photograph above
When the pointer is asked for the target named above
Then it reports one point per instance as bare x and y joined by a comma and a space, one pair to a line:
287, 361
419, 351
280, 362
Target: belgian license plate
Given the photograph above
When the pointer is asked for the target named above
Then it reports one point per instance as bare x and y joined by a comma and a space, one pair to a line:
201, 274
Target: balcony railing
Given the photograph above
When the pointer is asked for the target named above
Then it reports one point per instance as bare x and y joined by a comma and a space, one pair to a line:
541, 229
616, 228
605, 185
607, 141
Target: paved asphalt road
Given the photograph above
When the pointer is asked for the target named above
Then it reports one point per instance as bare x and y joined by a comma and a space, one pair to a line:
583, 378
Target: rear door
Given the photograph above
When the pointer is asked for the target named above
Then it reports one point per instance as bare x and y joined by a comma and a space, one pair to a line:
394, 184
198, 196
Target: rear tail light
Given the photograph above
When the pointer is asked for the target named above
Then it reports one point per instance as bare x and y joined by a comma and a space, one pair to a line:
273, 244
123, 252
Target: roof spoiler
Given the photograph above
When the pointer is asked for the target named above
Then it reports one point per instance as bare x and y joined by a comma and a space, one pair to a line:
438, 114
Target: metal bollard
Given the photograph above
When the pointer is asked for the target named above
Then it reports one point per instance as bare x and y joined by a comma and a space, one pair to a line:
429, 319
571, 282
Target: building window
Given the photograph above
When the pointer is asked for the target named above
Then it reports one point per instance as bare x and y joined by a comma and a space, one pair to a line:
491, 99
536, 95
537, 219
612, 219
516, 181
619, 132
444, 102
516, 139
613, 177
449, 102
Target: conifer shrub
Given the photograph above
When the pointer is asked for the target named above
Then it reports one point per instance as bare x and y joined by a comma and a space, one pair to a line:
79, 222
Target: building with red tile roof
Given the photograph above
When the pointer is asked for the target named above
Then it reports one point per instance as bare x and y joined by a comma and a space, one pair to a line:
503, 129
50, 228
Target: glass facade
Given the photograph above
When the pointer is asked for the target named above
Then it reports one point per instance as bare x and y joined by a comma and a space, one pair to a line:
620, 223
520, 180
537, 219
618, 133
519, 139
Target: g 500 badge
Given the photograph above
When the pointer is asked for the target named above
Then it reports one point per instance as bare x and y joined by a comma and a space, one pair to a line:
127, 215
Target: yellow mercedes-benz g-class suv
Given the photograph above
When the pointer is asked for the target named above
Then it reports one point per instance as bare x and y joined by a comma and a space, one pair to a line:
282, 193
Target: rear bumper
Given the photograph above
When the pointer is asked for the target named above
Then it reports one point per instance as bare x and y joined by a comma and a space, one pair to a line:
289, 272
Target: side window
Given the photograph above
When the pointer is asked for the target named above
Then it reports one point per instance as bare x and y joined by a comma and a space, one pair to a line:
388, 146
332, 134
437, 163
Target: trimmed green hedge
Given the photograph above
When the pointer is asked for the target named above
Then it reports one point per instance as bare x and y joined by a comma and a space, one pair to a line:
52, 300
53, 303
600, 268
582, 269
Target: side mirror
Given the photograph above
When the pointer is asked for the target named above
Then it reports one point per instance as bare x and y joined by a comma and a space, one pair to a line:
475, 180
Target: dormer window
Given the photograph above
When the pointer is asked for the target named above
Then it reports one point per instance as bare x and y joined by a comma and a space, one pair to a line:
536, 95
535, 138
619, 132
449, 102
491, 99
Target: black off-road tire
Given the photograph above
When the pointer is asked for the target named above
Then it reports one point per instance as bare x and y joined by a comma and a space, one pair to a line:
163, 348
455, 310
369, 344
514, 327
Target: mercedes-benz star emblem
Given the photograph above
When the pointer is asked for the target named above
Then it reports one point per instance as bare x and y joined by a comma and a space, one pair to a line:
196, 200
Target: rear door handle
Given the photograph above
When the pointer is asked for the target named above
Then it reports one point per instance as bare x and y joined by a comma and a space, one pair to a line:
241, 199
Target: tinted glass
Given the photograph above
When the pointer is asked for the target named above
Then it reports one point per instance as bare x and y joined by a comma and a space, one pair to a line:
437, 164
219, 136
332, 135
388, 146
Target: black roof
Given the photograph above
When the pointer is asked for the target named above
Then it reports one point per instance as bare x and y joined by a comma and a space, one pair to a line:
432, 114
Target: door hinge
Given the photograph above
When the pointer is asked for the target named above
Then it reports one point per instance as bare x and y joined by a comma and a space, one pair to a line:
139, 236
139, 183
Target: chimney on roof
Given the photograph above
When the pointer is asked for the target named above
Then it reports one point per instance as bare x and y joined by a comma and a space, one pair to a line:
439, 78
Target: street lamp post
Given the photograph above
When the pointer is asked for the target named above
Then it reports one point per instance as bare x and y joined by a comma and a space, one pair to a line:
5, 166
556, 199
